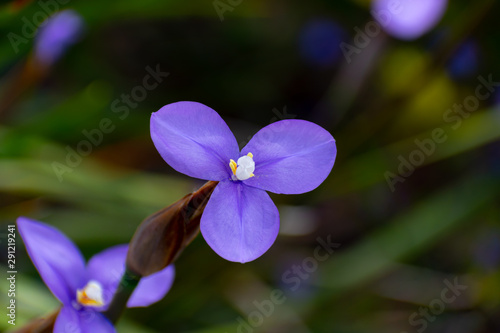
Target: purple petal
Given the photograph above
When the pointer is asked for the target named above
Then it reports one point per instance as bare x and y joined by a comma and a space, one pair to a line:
107, 268
92, 321
57, 259
67, 321
291, 156
194, 140
240, 223
152, 288
70, 320
408, 19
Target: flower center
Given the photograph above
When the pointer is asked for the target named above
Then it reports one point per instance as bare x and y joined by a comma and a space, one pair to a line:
244, 168
91, 294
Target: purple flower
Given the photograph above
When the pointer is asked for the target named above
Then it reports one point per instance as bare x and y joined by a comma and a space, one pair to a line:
56, 34
408, 19
85, 291
240, 221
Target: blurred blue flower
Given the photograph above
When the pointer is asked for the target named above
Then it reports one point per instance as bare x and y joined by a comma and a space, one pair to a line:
408, 19
56, 34
464, 61
319, 42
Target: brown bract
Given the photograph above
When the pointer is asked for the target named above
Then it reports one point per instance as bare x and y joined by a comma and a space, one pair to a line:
161, 237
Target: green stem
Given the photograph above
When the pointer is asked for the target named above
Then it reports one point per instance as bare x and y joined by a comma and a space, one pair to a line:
125, 289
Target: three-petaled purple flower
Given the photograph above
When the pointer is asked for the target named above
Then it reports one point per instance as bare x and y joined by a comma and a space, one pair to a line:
85, 291
240, 221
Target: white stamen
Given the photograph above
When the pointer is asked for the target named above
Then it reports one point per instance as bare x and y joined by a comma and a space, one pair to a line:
91, 294
246, 167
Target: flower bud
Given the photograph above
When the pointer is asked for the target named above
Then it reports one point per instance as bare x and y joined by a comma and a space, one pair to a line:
161, 237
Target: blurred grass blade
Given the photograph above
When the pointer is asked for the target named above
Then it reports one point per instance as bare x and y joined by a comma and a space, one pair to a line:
408, 234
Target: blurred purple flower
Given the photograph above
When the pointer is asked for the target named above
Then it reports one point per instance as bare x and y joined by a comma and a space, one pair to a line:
408, 19
319, 42
240, 221
85, 291
56, 34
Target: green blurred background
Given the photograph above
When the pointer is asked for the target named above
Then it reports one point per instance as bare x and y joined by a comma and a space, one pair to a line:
399, 240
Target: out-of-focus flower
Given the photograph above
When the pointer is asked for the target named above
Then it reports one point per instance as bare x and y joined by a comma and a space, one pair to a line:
59, 32
319, 42
496, 99
240, 221
487, 250
408, 19
85, 291
465, 60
